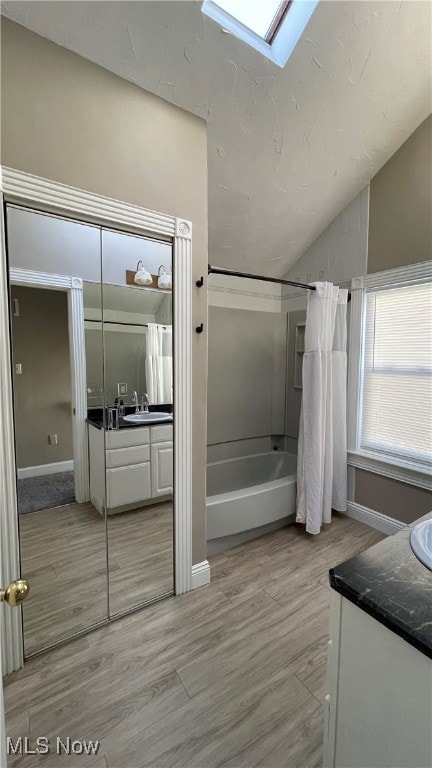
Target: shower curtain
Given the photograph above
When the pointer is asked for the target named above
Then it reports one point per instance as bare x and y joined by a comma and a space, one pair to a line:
322, 449
158, 364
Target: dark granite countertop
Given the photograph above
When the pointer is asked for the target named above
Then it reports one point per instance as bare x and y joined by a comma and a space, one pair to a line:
392, 585
95, 417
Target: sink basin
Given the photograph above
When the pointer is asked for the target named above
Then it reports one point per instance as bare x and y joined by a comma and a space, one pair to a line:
421, 542
147, 418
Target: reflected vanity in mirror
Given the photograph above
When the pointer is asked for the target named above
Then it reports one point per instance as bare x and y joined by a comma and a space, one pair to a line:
93, 414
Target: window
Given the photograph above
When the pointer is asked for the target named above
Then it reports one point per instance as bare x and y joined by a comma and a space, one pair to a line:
260, 17
272, 27
396, 394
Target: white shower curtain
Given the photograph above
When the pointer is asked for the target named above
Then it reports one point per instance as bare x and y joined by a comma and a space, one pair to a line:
322, 452
158, 364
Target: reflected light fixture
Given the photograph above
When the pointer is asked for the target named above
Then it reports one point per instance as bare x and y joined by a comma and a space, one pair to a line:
164, 277
142, 276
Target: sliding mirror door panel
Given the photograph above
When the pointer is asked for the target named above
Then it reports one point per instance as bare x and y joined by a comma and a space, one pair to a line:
57, 369
138, 438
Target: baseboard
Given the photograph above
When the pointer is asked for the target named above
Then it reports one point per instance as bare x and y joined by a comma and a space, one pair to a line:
45, 469
377, 520
200, 574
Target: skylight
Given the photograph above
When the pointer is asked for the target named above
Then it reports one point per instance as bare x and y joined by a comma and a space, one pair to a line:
272, 27
258, 16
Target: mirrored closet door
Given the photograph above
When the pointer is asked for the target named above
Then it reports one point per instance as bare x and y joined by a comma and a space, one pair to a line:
94, 486
138, 387
62, 536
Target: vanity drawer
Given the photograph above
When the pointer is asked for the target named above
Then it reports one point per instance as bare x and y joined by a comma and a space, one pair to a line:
123, 438
161, 432
128, 485
122, 457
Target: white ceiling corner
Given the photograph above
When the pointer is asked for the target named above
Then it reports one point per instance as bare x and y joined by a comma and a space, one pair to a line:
287, 148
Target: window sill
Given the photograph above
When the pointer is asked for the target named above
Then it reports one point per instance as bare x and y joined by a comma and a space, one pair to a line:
405, 472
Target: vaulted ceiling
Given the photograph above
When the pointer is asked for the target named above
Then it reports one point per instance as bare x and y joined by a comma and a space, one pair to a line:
287, 148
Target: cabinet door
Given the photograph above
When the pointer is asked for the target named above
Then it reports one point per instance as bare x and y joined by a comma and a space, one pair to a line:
162, 469
128, 485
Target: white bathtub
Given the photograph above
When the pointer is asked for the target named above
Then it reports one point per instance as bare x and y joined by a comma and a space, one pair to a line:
250, 492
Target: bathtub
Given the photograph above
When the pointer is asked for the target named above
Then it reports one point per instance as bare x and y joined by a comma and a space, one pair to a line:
249, 492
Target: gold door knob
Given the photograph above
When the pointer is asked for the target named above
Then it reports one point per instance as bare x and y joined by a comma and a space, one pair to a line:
15, 593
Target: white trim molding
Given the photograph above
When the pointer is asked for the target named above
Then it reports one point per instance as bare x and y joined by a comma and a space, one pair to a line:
10, 568
411, 273
405, 473
45, 469
373, 519
200, 574
52, 197
23, 187
355, 355
74, 288
182, 344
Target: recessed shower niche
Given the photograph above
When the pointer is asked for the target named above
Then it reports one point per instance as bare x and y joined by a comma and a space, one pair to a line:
93, 414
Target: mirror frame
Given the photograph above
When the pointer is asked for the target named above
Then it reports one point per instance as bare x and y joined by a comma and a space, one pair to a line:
52, 197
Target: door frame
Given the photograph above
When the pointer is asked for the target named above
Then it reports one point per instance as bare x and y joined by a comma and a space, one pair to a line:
51, 197
74, 288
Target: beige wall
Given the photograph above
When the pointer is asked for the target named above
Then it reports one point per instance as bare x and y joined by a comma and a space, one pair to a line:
390, 497
400, 214
69, 120
400, 233
42, 393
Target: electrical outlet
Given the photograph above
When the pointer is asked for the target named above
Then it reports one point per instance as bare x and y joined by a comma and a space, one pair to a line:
18, 368
122, 389
52, 439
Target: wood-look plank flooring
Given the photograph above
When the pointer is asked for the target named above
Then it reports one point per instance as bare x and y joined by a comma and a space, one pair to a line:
231, 674
63, 555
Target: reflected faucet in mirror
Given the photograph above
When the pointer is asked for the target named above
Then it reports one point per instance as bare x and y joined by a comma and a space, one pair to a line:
145, 403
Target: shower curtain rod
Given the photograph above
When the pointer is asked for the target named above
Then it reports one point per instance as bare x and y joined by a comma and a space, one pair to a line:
233, 273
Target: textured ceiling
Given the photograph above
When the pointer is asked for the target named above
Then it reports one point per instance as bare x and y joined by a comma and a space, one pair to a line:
287, 148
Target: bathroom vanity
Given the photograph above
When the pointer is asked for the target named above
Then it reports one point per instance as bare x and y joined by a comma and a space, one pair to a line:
139, 466
378, 707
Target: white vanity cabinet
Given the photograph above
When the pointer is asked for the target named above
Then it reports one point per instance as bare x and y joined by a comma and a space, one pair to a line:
161, 460
139, 466
378, 709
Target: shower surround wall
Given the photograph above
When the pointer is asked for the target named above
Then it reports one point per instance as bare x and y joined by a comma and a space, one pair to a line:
252, 398
247, 363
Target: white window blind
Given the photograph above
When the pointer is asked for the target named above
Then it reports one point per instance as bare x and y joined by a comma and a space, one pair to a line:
396, 414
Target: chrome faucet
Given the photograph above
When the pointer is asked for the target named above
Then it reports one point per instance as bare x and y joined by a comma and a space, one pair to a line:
135, 401
145, 403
